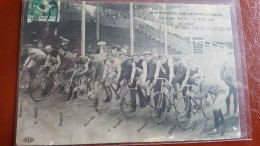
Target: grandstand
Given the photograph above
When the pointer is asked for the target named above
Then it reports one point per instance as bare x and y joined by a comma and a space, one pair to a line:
113, 22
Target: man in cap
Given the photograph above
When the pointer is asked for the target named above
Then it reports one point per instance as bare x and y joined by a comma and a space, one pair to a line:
65, 43
215, 88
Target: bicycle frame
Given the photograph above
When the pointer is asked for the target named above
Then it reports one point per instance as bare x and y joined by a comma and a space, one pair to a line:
120, 90
199, 106
72, 76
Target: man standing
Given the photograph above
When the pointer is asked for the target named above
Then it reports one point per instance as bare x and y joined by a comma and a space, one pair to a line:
228, 75
210, 87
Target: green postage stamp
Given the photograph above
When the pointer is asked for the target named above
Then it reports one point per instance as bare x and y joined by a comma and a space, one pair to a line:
43, 10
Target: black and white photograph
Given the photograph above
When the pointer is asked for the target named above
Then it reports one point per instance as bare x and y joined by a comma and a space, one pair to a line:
123, 72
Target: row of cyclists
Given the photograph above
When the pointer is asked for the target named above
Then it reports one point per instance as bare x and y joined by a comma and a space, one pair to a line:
114, 64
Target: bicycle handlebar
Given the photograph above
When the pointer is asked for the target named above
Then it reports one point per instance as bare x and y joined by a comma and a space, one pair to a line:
159, 79
73, 69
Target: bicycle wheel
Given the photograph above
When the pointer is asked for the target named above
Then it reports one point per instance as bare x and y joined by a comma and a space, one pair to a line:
40, 88
62, 94
158, 107
207, 106
183, 114
130, 103
180, 104
103, 100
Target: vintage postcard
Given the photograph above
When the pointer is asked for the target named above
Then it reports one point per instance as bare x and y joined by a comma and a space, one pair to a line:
111, 72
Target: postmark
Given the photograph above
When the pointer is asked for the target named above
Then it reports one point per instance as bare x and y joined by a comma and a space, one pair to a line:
43, 10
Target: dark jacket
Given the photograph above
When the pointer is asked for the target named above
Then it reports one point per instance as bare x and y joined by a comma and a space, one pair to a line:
179, 73
126, 70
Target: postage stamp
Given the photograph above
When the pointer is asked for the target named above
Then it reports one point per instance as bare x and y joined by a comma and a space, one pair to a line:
43, 10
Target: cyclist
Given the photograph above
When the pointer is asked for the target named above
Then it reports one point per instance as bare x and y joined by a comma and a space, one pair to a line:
126, 67
139, 68
126, 71
112, 69
67, 61
192, 69
33, 66
151, 68
164, 69
83, 65
29, 48
97, 67
179, 74
53, 56
212, 87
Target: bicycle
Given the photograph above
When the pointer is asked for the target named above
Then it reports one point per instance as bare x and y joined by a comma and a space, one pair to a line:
64, 91
132, 101
192, 107
162, 100
41, 87
129, 103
